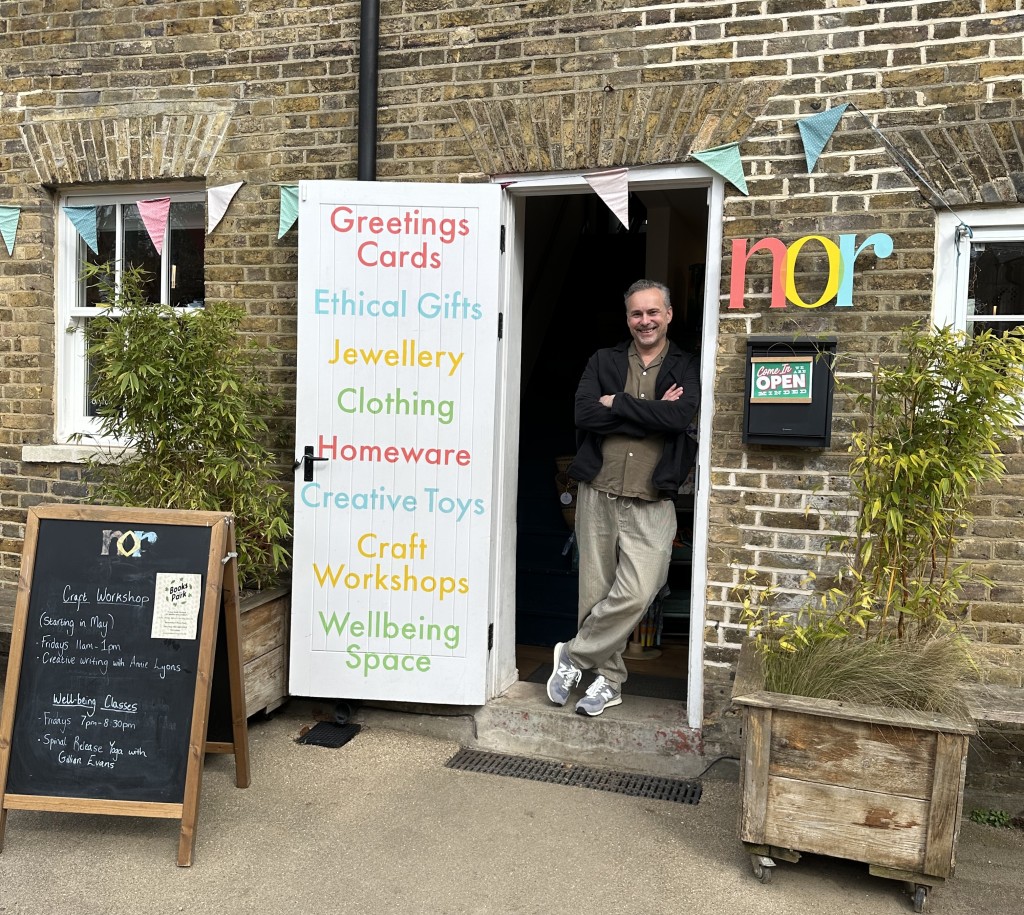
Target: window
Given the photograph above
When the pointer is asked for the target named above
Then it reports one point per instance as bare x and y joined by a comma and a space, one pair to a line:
176, 277
979, 272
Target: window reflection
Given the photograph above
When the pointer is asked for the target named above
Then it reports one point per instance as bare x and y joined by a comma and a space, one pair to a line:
176, 276
186, 249
106, 241
139, 251
996, 286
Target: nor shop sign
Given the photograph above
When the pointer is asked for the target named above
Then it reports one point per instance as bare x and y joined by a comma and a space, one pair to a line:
397, 361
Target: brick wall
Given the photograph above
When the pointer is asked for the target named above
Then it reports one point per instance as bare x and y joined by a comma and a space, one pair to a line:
265, 91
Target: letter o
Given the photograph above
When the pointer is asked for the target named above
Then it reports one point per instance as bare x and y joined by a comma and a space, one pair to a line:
125, 551
835, 271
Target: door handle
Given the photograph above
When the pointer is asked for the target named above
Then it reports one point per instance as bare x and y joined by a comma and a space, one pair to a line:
306, 461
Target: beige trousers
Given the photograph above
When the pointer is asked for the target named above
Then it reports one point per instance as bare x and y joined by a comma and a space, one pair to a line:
625, 546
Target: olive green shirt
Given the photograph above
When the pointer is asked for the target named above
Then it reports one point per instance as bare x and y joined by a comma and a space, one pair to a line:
628, 463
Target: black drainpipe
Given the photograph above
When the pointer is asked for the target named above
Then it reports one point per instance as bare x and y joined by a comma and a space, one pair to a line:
369, 38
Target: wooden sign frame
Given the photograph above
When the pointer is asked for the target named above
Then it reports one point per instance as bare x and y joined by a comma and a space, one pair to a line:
220, 597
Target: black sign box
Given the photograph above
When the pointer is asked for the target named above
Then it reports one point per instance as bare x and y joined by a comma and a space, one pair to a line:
784, 415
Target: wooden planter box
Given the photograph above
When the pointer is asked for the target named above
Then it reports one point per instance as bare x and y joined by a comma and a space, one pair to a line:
860, 782
264, 625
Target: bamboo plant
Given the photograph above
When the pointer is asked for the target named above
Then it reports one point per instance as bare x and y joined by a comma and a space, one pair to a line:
889, 630
183, 396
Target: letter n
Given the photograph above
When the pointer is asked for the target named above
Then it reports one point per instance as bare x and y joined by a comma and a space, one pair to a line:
740, 256
107, 537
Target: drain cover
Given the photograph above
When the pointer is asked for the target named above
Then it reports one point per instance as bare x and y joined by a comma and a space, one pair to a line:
329, 734
539, 770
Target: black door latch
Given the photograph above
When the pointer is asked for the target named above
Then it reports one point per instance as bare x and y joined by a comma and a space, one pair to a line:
307, 463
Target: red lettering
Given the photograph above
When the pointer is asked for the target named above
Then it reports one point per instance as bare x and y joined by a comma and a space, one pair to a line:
740, 256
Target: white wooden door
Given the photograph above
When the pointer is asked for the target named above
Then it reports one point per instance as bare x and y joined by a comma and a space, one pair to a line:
396, 373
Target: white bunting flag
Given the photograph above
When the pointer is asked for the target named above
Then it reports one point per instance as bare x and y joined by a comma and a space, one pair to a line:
612, 187
218, 199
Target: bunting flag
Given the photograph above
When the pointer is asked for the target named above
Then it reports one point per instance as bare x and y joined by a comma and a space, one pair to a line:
154, 218
816, 131
612, 187
84, 221
289, 208
9, 217
218, 199
725, 160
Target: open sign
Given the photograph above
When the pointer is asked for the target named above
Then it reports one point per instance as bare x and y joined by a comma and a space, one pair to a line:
774, 379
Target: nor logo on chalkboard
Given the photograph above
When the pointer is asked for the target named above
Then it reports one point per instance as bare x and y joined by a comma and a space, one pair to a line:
128, 543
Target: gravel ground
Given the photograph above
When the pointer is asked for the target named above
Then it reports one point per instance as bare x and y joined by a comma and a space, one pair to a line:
380, 825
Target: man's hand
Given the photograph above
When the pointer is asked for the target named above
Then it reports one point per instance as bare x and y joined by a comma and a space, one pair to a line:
673, 393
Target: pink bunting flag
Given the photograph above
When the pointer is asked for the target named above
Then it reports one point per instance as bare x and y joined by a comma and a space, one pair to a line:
154, 218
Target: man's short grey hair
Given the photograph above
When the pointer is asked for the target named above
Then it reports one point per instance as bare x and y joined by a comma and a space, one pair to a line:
641, 285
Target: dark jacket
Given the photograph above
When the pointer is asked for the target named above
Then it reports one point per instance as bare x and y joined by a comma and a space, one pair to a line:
606, 374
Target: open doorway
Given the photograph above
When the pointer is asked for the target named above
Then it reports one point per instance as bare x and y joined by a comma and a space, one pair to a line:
577, 261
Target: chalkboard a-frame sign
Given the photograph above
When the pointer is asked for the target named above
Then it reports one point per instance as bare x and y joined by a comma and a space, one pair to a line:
109, 681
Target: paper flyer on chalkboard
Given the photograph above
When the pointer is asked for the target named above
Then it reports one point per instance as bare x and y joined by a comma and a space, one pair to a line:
176, 605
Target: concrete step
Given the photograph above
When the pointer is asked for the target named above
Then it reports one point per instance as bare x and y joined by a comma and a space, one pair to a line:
641, 735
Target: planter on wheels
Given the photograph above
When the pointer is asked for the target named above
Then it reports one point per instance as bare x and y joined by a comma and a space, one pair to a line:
866, 783
264, 626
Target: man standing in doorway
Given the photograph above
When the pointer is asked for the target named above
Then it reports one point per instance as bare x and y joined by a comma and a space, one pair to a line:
633, 405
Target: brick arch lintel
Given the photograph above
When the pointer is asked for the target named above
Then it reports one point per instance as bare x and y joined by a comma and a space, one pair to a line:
601, 129
969, 164
126, 143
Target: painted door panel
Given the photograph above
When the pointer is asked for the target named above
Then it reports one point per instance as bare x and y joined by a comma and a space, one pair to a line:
396, 375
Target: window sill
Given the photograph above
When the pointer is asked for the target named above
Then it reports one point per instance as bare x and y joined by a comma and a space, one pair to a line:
69, 454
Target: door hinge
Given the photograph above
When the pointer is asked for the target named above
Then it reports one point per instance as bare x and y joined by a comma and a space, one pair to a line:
501, 241
490, 636
501, 324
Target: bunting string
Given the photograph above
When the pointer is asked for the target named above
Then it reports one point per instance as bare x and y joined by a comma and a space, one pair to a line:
909, 168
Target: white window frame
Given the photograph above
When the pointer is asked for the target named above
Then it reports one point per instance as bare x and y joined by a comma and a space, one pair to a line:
953, 258
73, 424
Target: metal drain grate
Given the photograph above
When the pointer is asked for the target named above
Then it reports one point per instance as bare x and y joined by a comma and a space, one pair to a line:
329, 734
539, 770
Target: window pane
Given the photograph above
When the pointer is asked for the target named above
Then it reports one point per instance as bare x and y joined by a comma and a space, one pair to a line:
106, 241
123, 242
139, 251
186, 246
996, 282
996, 327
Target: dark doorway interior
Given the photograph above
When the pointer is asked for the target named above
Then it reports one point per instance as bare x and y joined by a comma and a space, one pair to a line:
578, 261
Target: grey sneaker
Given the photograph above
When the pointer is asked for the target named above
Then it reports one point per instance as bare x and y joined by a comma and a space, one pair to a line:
600, 695
564, 676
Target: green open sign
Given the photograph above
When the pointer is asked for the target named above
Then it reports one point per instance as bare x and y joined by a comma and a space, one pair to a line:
786, 380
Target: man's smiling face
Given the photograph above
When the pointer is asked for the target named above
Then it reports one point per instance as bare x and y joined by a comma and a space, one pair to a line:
648, 320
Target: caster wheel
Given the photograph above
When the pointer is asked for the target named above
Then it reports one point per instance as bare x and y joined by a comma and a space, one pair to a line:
762, 870
920, 898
